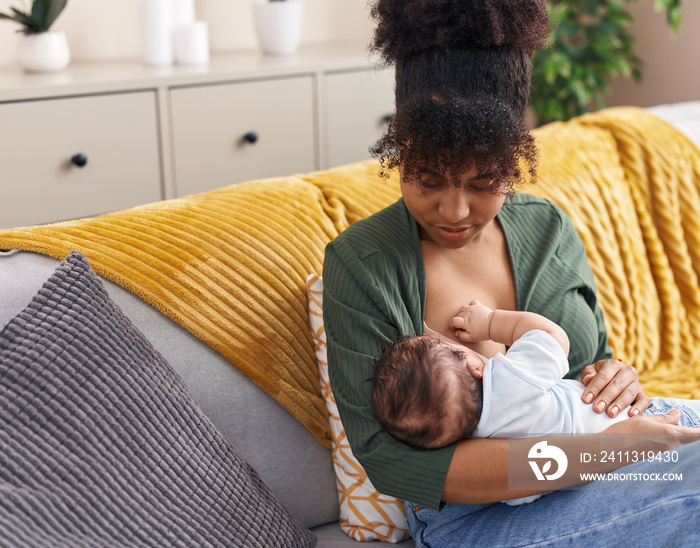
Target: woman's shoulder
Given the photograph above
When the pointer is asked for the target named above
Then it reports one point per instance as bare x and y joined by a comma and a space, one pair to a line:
525, 201
533, 221
390, 230
534, 211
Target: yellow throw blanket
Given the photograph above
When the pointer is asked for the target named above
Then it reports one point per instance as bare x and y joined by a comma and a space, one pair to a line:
230, 265
631, 184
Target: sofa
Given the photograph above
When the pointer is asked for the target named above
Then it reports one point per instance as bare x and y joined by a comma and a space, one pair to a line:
213, 292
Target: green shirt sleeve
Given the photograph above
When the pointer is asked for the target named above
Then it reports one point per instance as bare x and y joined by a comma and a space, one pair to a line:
584, 320
553, 278
366, 304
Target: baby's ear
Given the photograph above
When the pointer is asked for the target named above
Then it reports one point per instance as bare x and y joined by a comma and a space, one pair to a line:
476, 369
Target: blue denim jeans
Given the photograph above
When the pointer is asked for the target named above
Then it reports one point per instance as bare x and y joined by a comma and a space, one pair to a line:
690, 410
586, 516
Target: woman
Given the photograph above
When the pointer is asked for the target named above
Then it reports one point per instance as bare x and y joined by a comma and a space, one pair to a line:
458, 140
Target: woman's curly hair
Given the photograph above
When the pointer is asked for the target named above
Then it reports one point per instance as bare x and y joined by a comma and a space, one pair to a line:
406, 27
461, 133
462, 84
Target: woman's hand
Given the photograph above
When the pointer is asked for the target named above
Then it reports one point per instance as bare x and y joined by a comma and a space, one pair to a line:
657, 425
613, 385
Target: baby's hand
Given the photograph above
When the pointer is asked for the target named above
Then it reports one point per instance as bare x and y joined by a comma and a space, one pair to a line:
472, 322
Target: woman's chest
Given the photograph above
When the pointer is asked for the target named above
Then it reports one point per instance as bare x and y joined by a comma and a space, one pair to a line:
455, 279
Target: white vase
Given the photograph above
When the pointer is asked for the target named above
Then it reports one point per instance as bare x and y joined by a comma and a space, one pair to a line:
279, 25
43, 51
157, 32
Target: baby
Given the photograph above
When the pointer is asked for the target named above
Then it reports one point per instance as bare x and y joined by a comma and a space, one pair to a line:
430, 393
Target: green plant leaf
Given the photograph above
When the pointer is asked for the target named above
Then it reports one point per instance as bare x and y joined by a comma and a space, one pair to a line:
9, 17
549, 70
674, 18
40, 9
26, 20
47, 11
41, 17
673, 13
590, 45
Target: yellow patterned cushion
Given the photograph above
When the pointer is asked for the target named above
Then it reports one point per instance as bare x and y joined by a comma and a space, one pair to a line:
365, 514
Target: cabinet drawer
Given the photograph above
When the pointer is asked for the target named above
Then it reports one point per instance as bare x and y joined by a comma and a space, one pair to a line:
116, 133
210, 125
358, 105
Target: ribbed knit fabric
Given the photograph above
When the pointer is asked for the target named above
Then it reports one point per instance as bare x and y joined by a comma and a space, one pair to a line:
631, 184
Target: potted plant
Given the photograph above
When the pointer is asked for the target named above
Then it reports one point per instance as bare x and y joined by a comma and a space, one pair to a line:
40, 49
590, 45
279, 23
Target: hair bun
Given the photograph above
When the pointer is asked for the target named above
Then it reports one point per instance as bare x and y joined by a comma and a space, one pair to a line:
407, 27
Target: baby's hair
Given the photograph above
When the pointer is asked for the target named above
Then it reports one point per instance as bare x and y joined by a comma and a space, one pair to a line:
462, 84
420, 401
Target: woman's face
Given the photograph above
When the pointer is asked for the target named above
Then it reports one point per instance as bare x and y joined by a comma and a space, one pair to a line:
452, 210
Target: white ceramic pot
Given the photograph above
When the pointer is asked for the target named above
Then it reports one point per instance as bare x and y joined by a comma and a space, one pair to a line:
43, 51
279, 25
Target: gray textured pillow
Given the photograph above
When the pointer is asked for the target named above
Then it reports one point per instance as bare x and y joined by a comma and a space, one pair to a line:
101, 444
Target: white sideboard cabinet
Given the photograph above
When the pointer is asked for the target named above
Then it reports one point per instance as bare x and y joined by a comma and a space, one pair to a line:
105, 136
235, 132
358, 106
77, 156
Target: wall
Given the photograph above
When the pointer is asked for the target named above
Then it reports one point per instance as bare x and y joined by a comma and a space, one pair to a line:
111, 29
671, 65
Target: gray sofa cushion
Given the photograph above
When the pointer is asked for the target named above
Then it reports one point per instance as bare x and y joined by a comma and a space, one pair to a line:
102, 444
298, 470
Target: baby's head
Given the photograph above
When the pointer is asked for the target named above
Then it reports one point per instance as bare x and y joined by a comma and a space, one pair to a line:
426, 392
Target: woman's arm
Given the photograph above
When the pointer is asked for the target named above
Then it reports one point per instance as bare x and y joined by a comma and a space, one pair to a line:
365, 307
479, 471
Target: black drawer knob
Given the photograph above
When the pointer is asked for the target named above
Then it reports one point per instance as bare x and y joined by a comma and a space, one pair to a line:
251, 137
79, 160
388, 118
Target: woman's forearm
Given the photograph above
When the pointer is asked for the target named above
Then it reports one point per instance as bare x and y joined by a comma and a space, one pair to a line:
480, 471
